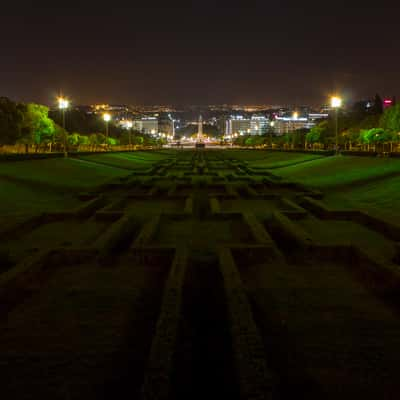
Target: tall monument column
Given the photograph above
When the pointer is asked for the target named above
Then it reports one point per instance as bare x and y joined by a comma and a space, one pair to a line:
200, 129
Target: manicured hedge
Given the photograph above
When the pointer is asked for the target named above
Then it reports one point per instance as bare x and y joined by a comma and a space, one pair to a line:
258, 231
289, 231
387, 229
255, 379
188, 206
158, 380
117, 235
148, 231
215, 206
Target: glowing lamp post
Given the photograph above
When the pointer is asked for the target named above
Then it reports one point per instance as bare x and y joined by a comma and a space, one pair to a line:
336, 103
129, 127
295, 116
107, 119
272, 124
63, 105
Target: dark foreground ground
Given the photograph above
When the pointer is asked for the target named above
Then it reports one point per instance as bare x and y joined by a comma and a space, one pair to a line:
196, 275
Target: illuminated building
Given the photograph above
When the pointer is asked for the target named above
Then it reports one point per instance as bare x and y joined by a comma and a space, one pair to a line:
166, 124
237, 124
146, 125
292, 123
259, 125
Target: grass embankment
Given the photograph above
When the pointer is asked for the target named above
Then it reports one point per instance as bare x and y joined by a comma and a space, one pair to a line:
372, 184
45, 185
271, 159
130, 161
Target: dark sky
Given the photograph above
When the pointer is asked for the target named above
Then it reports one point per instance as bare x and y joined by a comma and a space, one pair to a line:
199, 52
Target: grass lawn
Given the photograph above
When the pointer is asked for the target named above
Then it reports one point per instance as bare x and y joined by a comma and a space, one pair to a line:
380, 198
134, 160
29, 187
59, 173
372, 184
270, 159
19, 198
334, 172
358, 182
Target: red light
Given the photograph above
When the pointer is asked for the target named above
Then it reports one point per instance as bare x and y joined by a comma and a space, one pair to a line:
387, 101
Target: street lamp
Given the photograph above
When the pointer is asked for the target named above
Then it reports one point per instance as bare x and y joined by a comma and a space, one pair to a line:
107, 119
336, 103
63, 104
129, 125
272, 124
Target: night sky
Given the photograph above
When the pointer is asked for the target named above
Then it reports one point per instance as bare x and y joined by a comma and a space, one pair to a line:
199, 52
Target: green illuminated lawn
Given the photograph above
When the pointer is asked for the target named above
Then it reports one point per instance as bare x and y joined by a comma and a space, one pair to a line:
19, 198
46, 185
372, 184
135, 160
270, 159
58, 173
380, 198
29, 187
332, 172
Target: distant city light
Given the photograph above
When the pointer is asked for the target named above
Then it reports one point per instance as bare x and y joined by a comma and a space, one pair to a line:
107, 117
336, 102
295, 115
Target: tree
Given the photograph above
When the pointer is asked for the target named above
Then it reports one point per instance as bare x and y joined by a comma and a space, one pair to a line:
112, 141
11, 121
349, 137
299, 137
390, 119
317, 133
139, 140
378, 105
37, 126
375, 136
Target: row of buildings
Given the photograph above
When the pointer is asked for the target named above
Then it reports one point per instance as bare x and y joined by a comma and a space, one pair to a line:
275, 124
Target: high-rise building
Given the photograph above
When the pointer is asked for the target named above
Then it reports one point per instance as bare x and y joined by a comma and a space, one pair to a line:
166, 124
286, 124
259, 125
237, 124
146, 125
